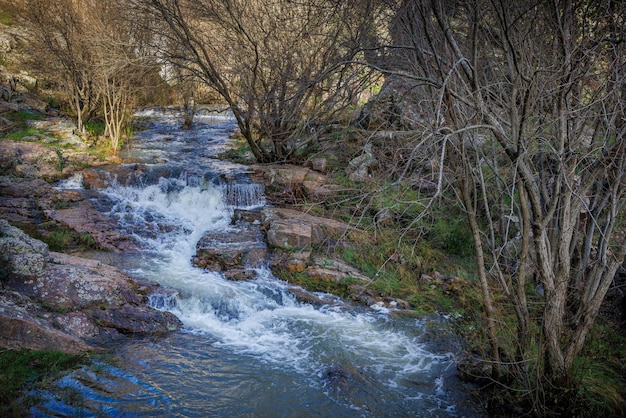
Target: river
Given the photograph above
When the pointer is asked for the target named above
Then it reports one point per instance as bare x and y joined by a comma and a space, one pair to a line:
248, 348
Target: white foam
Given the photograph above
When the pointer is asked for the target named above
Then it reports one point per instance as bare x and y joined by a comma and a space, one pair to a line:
74, 182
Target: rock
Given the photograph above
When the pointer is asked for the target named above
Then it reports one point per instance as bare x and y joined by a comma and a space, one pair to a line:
24, 256
23, 325
77, 324
245, 215
67, 302
235, 253
334, 270
292, 183
320, 164
30, 159
85, 219
317, 191
303, 296
94, 179
384, 217
136, 320
290, 229
34, 201
344, 380
61, 130
22, 199
41, 161
297, 261
126, 175
360, 168
67, 285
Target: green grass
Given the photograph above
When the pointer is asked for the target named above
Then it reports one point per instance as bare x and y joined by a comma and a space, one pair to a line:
22, 116
22, 369
340, 288
59, 238
24, 133
7, 20
601, 372
95, 128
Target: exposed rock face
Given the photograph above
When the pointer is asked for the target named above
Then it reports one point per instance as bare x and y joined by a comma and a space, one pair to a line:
34, 201
83, 218
24, 324
22, 200
22, 255
69, 303
34, 157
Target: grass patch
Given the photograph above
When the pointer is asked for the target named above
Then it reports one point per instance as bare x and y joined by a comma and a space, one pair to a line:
22, 135
22, 369
600, 370
22, 116
95, 128
340, 288
60, 238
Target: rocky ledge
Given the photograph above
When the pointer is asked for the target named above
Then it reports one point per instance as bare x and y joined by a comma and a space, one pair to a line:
52, 300
287, 238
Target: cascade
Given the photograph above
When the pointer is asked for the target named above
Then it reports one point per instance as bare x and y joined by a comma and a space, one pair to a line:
248, 348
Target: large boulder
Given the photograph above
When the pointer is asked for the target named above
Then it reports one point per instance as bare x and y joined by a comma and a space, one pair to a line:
290, 229
25, 325
70, 302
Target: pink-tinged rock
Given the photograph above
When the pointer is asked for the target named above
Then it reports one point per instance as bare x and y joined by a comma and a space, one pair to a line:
85, 219
291, 229
23, 325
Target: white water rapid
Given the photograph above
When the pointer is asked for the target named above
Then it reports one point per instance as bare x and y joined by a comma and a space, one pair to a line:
249, 348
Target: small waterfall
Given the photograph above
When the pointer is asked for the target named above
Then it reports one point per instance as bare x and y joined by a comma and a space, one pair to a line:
243, 195
248, 347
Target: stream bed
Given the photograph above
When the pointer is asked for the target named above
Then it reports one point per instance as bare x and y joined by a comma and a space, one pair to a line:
248, 348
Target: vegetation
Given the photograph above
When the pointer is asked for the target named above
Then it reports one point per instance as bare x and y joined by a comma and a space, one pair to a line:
26, 368
497, 140
281, 66
59, 238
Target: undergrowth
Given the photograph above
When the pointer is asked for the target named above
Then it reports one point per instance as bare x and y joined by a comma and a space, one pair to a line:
27, 369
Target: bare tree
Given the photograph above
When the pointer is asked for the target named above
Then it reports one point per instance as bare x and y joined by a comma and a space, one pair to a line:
60, 29
278, 64
118, 65
100, 56
526, 100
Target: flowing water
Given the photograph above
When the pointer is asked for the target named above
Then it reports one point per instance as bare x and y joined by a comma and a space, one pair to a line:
248, 348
